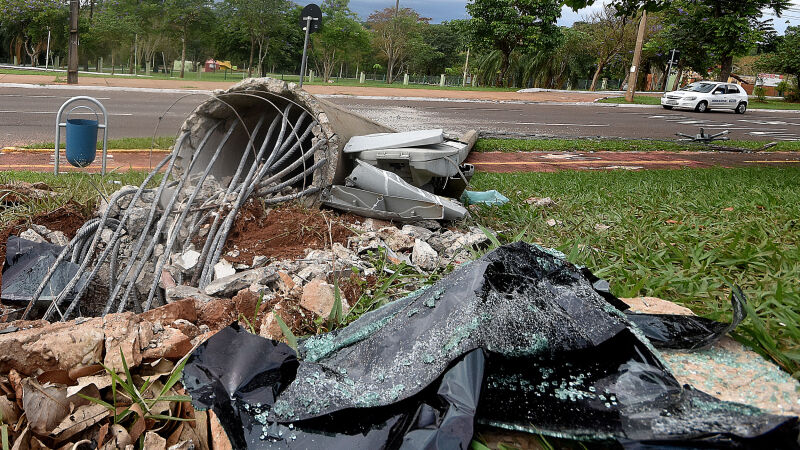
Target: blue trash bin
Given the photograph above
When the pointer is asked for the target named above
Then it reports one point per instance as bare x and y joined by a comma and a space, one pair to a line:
81, 141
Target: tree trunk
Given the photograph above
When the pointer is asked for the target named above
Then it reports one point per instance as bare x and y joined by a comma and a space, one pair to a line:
183, 51
726, 67
504, 69
250, 64
596, 76
112, 62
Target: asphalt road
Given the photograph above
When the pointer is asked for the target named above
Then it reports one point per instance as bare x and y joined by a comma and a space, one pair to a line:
28, 116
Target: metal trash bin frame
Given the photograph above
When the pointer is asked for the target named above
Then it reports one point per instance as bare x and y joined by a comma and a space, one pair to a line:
59, 124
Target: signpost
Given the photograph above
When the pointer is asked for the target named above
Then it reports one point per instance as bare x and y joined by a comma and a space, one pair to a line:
674, 55
311, 21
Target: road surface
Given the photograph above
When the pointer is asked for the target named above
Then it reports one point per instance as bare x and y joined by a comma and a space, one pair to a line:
28, 116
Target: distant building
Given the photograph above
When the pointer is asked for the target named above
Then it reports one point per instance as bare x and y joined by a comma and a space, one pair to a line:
188, 67
210, 66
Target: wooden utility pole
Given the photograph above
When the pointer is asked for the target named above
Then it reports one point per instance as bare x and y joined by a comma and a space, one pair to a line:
72, 63
637, 55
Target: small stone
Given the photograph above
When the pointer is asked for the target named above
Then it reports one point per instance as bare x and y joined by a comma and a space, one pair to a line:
554, 222
233, 253
186, 260
223, 269
270, 328
106, 235
229, 285
259, 261
540, 202
285, 283
601, 227
41, 229
58, 238
417, 232
396, 239
180, 292
32, 235
424, 256
319, 297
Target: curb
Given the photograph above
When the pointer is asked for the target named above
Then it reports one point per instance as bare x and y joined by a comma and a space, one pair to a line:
51, 150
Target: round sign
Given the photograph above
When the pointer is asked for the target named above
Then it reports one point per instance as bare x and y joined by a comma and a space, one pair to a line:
313, 11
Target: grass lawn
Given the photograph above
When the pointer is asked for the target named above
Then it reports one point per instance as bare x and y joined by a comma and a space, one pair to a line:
189, 77
656, 100
616, 145
682, 235
504, 145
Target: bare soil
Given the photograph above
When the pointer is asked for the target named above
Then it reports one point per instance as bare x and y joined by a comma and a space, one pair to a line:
284, 232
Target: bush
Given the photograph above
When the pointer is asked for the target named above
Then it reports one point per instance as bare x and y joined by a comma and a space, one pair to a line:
782, 87
760, 93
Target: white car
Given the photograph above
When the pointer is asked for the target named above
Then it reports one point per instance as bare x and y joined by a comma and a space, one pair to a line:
705, 95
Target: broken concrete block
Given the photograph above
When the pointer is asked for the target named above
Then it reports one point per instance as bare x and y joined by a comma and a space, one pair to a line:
319, 297
32, 235
417, 232
167, 314
170, 344
216, 314
259, 261
232, 284
57, 238
180, 292
396, 239
121, 335
186, 260
313, 271
285, 283
270, 328
188, 328
223, 269
424, 256
63, 345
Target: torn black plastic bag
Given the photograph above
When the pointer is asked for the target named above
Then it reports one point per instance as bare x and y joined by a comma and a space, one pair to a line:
674, 331
559, 360
26, 265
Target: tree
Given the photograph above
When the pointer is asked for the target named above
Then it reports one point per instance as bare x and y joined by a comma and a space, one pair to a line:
393, 32
185, 18
113, 26
786, 58
727, 28
261, 20
563, 65
505, 25
610, 34
341, 34
28, 21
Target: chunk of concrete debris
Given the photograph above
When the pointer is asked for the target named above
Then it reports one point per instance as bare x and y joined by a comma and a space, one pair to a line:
319, 297
424, 256
397, 240
232, 284
186, 260
223, 269
540, 202
417, 232
259, 261
181, 292
33, 236
170, 344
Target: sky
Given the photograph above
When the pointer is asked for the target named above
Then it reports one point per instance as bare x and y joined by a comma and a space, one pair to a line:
440, 10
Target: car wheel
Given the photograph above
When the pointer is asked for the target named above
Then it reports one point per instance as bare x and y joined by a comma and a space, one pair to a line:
701, 107
666, 107
741, 108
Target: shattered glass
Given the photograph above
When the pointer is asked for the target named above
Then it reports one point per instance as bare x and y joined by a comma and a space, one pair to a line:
519, 339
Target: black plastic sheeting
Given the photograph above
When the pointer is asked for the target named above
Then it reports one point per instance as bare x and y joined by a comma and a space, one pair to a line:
26, 265
519, 339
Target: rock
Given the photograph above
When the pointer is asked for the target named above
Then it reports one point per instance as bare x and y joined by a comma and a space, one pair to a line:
40, 229
396, 239
601, 227
121, 334
540, 202
270, 328
171, 344
653, 305
216, 314
246, 301
233, 253
232, 284
186, 260
62, 345
417, 232
57, 238
32, 235
137, 219
219, 439
314, 271
375, 224
166, 280
223, 269
259, 261
429, 224
179, 310
318, 297
180, 292
285, 283
553, 222
342, 252
188, 328
106, 235
424, 256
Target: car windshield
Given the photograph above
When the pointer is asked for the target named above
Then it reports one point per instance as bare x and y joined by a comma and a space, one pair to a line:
699, 87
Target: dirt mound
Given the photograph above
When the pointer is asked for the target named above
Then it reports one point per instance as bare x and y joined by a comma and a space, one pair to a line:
284, 232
